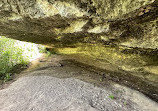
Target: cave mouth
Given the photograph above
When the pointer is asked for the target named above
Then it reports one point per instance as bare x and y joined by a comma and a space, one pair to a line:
117, 39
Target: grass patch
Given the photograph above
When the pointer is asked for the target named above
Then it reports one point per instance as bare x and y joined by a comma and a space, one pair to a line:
111, 96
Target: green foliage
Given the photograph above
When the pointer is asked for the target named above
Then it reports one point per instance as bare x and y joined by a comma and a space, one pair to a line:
10, 56
7, 77
48, 54
125, 103
42, 49
111, 96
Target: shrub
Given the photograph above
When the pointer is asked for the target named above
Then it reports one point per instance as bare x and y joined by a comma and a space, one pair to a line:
10, 56
13, 53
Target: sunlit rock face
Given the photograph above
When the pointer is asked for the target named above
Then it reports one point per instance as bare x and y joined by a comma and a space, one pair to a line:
122, 32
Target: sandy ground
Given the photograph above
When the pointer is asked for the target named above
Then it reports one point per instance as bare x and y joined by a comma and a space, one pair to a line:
54, 85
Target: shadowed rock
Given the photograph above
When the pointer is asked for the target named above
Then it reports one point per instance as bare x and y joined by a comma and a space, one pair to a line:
130, 23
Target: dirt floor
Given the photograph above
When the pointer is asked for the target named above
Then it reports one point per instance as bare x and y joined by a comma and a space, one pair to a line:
62, 84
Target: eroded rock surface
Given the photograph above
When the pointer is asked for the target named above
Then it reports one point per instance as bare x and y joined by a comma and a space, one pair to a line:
44, 93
